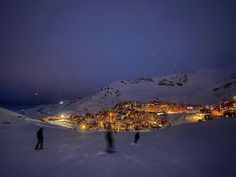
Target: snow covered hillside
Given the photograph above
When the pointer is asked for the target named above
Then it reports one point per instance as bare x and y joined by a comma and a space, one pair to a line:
202, 87
8, 117
189, 150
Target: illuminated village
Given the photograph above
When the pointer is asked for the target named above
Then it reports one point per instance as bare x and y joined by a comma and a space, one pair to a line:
132, 116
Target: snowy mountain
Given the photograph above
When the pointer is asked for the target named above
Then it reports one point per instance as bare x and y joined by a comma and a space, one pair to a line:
202, 87
11, 118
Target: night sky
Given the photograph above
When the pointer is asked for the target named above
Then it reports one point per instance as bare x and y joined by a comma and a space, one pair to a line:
52, 50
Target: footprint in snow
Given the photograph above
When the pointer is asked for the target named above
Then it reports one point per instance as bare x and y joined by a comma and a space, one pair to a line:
100, 153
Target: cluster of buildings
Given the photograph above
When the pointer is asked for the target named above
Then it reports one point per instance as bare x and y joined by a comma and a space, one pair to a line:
131, 116
226, 108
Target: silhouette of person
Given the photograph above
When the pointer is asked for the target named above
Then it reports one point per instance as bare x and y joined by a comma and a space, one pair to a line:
39, 144
136, 138
110, 141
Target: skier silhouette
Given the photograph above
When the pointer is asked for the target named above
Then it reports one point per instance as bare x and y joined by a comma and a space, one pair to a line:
136, 138
110, 141
39, 144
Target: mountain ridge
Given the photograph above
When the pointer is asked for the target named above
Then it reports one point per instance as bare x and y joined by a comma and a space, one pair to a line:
207, 86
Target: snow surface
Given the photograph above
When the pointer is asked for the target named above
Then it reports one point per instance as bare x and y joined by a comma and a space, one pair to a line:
188, 150
203, 87
11, 117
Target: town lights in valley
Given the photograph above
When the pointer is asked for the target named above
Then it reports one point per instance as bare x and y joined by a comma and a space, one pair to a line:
130, 116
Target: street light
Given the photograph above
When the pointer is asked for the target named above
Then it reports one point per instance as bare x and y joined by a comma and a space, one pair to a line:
83, 127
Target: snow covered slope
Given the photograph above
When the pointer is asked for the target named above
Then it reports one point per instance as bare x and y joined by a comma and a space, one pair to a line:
12, 119
9, 117
202, 87
190, 150
67, 108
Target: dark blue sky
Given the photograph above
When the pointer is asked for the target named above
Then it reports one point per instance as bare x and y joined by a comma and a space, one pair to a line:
70, 49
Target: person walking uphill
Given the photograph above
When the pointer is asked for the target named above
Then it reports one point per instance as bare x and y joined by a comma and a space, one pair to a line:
136, 138
39, 144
